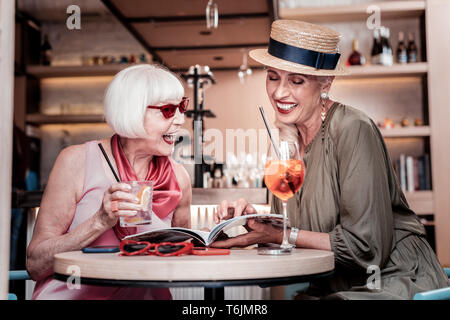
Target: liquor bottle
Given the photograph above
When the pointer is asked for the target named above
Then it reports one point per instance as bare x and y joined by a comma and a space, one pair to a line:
217, 180
386, 56
355, 58
46, 52
412, 48
401, 54
376, 47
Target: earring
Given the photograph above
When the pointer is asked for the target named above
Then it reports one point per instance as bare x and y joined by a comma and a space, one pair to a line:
323, 97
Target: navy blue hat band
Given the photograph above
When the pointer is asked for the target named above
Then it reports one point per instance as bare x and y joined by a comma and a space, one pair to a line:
318, 60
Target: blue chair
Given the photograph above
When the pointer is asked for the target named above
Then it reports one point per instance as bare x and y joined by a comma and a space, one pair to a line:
17, 275
290, 291
438, 294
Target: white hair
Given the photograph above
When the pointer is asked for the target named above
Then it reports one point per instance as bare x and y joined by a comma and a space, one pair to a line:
132, 90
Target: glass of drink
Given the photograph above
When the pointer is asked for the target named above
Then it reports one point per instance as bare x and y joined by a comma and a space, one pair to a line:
283, 175
144, 191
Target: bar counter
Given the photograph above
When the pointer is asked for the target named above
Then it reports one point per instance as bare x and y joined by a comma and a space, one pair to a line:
200, 196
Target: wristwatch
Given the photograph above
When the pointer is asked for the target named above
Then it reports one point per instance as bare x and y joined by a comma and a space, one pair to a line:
293, 236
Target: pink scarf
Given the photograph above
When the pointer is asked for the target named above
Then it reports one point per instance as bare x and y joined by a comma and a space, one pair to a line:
166, 191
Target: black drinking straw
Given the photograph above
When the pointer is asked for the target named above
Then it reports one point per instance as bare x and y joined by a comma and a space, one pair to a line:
269, 132
291, 185
107, 160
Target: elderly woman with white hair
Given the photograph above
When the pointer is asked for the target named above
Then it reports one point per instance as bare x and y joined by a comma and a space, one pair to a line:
82, 201
351, 202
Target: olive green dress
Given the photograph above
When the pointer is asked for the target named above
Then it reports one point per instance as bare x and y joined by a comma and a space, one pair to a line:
351, 192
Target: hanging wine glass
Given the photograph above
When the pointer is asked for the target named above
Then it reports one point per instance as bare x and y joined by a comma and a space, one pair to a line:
212, 15
244, 69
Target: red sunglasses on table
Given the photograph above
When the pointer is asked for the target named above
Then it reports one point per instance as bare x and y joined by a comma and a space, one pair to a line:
168, 110
166, 249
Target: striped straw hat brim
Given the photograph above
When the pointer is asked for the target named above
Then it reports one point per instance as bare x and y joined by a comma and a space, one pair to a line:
302, 47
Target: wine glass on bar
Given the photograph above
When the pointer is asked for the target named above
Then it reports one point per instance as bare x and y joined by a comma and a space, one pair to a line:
283, 175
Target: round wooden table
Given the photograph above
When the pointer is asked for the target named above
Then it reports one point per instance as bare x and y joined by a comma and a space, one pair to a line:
241, 267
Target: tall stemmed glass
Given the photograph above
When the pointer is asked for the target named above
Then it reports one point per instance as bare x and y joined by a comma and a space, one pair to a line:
283, 175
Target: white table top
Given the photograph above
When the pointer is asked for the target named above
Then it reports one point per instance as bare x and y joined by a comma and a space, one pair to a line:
239, 265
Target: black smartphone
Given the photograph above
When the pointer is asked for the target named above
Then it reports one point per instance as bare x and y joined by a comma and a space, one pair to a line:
101, 249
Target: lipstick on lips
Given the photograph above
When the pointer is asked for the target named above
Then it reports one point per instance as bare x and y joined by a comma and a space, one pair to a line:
285, 107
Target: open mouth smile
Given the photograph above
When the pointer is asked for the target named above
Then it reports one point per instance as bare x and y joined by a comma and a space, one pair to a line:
169, 138
285, 107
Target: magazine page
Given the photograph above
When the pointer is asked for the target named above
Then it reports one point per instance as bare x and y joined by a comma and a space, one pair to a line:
169, 235
275, 219
182, 234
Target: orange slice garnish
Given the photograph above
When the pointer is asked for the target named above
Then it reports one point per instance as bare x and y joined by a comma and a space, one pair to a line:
144, 196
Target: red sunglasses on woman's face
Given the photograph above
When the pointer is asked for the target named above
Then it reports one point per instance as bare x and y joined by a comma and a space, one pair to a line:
169, 110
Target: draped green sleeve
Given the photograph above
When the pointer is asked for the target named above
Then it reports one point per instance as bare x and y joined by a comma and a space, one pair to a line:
365, 231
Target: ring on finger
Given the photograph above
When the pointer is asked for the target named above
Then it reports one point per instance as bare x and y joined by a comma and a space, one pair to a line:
114, 206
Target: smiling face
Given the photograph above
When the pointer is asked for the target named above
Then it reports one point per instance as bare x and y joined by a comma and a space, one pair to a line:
161, 131
295, 97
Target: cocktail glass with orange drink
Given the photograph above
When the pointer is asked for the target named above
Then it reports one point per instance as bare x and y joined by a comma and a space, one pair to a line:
283, 176
143, 190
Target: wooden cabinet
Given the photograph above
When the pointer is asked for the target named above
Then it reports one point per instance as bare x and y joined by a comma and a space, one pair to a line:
40, 72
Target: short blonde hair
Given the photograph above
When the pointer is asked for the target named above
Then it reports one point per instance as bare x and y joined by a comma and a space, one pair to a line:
132, 90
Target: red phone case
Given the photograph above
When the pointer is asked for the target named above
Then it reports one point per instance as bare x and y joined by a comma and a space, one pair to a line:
204, 251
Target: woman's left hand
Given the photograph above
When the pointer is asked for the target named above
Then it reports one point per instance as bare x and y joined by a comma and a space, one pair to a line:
257, 233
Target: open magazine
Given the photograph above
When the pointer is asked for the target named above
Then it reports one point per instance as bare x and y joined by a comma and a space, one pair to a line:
206, 238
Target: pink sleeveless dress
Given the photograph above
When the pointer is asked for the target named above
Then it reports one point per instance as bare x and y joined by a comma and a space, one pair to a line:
95, 184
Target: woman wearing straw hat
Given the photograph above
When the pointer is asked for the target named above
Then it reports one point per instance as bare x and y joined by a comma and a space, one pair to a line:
82, 202
350, 202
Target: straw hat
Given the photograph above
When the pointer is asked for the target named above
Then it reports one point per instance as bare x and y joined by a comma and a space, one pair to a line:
301, 47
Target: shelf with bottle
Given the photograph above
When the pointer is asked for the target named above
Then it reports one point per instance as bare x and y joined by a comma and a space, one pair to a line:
418, 69
39, 118
404, 129
92, 65
413, 173
354, 12
202, 196
241, 171
383, 62
421, 202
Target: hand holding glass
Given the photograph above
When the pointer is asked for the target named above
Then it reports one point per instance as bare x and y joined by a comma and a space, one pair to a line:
143, 190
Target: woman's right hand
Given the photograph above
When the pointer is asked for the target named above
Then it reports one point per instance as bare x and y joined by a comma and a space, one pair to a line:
227, 210
127, 204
